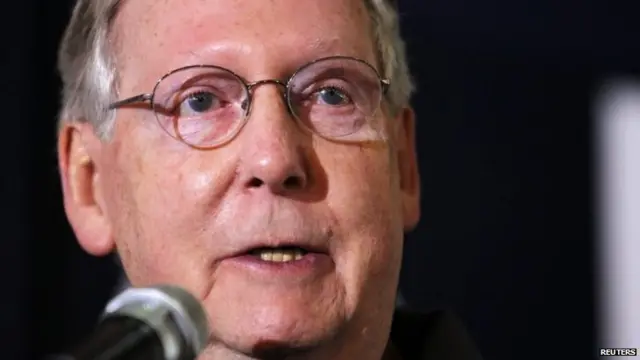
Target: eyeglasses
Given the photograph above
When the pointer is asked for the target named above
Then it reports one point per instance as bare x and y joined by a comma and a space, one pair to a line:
206, 106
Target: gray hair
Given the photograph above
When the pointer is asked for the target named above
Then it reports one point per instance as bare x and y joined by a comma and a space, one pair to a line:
86, 62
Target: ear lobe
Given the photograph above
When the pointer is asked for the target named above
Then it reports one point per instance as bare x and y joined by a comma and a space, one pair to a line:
408, 168
82, 192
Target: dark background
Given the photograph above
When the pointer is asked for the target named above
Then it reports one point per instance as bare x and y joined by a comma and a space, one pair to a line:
506, 155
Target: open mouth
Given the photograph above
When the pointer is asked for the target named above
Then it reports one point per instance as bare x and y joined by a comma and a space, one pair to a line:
294, 261
279, 254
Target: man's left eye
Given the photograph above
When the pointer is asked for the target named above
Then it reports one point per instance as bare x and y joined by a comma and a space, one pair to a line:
333, 96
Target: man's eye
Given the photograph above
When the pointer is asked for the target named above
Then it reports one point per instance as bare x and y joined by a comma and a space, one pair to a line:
333, 96
198, 102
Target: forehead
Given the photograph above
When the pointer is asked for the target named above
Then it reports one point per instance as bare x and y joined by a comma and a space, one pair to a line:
161, 35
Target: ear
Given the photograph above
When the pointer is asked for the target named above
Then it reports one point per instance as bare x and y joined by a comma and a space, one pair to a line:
78, 147
408, 167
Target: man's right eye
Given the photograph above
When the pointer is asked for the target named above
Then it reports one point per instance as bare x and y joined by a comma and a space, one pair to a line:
198, 103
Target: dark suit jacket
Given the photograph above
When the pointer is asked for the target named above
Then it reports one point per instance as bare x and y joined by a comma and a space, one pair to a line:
436, 335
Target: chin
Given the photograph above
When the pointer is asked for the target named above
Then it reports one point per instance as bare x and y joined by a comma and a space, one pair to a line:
275, 330
246, 313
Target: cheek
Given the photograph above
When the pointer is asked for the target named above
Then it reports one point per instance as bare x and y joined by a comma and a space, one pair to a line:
160, 202
364, 200
364, 189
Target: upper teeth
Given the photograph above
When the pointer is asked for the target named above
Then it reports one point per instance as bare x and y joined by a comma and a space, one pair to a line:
280, 255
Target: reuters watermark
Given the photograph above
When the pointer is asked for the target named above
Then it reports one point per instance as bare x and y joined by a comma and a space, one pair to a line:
618, 352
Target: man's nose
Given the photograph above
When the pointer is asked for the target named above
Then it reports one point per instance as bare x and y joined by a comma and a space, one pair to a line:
272, 156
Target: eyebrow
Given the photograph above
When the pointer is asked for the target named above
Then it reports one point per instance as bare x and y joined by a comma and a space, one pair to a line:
314, 49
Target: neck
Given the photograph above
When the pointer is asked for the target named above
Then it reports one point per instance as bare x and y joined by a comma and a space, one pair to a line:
390, 352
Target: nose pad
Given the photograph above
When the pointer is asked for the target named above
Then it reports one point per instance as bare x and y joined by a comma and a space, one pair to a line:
246, 104
255, 84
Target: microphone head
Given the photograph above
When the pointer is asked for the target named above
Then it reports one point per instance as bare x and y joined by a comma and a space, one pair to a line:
172, 311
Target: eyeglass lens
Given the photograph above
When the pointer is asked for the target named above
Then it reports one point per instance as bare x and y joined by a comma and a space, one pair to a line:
206, 105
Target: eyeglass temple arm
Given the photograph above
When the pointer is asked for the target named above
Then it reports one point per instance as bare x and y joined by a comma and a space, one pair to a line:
131, 100
385, 85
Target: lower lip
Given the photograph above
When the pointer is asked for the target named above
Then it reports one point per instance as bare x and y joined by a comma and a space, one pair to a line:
311, 264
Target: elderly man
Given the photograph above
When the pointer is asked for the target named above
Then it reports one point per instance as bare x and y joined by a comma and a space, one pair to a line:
259, 154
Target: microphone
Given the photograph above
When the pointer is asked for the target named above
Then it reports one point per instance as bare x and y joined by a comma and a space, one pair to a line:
157, 323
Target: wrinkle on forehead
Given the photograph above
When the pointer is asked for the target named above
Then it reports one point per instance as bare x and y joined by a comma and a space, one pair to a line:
226, 54
317, 44
158, 36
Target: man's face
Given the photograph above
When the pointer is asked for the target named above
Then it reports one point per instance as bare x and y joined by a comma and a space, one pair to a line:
184, 216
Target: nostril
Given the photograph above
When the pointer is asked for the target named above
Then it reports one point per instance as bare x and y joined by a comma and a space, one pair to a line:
288, 183
293, 182
255, 182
